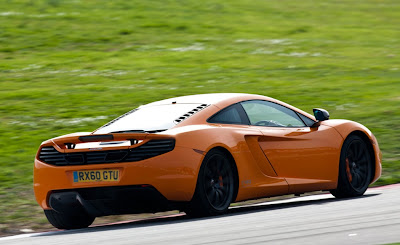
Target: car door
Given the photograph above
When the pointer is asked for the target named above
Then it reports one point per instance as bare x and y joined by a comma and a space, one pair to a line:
307, 157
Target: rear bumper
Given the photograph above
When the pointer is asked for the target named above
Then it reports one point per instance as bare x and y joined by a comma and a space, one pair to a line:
173, 175
101, 201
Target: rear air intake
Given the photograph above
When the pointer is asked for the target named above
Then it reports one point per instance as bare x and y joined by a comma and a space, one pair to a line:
51, 156
150, 149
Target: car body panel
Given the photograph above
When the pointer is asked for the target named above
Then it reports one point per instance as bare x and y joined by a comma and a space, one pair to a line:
175, 179
346, 127
253, 181
305, 156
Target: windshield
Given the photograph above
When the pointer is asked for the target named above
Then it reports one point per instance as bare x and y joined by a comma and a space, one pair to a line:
147, 118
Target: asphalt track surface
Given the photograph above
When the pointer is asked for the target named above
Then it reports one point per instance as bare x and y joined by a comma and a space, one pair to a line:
319, 219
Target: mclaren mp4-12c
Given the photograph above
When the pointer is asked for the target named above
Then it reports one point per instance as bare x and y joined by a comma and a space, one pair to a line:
199, 154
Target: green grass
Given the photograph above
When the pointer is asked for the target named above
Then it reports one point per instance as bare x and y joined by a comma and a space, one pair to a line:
68, 66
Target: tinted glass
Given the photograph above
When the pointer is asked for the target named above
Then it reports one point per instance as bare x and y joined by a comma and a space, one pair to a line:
148, 118
307, 120
228, 115
264, 113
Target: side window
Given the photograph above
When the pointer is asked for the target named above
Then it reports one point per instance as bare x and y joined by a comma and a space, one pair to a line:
265, 113
229, 115
307, 120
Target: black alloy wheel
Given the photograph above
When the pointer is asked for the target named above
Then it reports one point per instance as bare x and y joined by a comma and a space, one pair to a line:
355, 170
218, 181
215, 186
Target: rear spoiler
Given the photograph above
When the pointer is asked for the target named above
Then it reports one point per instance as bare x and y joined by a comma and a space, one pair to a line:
68, 143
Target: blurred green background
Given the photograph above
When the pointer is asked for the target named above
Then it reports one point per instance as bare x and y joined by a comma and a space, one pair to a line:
69, 66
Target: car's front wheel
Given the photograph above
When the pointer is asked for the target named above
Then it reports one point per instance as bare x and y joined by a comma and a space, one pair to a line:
66, 221
355, 168
215, 186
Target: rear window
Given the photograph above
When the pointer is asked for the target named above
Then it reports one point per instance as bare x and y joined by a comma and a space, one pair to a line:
147, 118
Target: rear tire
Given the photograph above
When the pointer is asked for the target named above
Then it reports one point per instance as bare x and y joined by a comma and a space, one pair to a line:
215, 186
67, 222
355, 168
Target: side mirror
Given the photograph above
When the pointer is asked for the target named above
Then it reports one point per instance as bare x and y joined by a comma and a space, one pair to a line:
321, 114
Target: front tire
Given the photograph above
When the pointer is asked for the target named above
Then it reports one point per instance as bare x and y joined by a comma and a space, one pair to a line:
67, 222
215, 186
355, 168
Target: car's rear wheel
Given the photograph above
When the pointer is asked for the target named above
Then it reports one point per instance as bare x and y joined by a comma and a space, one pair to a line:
355, 168
215, 186
66, 221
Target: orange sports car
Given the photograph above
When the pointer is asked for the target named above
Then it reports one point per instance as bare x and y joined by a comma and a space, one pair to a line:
199, 154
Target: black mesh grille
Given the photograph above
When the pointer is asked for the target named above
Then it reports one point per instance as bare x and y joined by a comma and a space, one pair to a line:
51, 156
151, 149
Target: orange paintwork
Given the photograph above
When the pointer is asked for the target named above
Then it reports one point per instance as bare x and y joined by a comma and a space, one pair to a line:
270, 160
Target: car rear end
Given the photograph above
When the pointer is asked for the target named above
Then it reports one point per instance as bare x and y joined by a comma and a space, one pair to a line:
113, 173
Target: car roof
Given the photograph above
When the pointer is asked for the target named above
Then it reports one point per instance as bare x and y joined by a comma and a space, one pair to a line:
209, 99
221, 100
